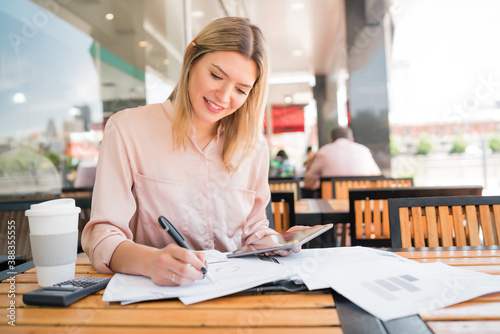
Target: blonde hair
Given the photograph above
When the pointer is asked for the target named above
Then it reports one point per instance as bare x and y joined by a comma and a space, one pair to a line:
242, 128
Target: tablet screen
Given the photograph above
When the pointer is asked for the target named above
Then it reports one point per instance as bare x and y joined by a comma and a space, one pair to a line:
285, 240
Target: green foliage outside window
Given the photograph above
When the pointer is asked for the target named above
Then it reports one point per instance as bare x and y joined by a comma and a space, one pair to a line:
425, 144
53, 157
394, 146
494, 143
459, 145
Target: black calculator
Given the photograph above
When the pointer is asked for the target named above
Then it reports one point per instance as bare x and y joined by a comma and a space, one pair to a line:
67, 292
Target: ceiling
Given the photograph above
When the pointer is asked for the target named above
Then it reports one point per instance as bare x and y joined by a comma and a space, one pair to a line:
305, 37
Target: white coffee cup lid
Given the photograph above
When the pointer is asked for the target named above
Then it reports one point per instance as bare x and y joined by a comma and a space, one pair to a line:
62, 206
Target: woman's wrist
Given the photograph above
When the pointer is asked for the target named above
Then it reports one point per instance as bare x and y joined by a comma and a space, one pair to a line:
132, 258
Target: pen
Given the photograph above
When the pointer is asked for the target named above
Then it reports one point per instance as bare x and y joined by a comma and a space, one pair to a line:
179, 240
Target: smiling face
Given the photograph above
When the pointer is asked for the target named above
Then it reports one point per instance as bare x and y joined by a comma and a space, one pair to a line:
219, 83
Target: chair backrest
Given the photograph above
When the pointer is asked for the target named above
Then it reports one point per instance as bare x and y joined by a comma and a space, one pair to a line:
84, 203
12, 218
285, 184
13, 213
269, 214
338, 187
30, 196
445, 221
369, 211
77, 192
283, 206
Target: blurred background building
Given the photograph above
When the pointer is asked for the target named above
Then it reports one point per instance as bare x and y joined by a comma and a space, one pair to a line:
418, 81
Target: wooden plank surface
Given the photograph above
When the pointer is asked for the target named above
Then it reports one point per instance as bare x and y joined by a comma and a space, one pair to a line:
317, 205
466, 311
79, 269
464, 327
306, 312
431, 254
339, 205
184, 317
479, 315
270, 300
159, 330
470, 261
272, 312
492, 270
432, 230
31, 278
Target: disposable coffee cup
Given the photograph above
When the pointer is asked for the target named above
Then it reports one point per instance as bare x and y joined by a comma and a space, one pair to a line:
54, 239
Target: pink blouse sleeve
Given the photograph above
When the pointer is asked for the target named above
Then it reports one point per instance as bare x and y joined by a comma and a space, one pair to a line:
113, 204
257, 224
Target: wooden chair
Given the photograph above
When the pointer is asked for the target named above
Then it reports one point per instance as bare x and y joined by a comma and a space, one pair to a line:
445, 221
283, 206
338, 187
369, 211
285, 184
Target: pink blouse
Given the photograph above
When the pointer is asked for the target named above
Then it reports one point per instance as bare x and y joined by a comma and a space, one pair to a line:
140, 177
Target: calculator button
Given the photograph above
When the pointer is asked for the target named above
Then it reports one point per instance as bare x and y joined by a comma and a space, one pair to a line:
60, 288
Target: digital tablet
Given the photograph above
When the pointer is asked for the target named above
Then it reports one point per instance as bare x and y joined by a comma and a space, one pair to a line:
287, 240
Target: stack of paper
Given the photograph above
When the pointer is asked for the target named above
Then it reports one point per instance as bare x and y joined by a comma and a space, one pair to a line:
230, 275
382, 283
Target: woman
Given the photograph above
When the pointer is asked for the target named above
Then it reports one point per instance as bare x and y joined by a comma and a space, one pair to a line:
199, 159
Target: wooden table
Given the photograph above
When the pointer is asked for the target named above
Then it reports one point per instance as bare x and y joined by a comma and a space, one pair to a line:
317, 211
479, 315
271, 312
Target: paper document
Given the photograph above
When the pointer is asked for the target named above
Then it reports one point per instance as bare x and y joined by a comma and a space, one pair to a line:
230, 275
384, 284
315, 266
389, 292
387, 285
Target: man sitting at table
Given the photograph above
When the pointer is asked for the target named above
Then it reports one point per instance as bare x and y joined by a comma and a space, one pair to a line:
341, 157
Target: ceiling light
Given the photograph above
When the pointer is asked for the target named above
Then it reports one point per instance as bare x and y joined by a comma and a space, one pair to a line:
165, 61
198, 14
143, 44
297, 52
109, 16
19, 98
283, 80
297, 6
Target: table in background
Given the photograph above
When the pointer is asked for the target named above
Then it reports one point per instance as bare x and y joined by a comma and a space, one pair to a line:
266, 312
317, 211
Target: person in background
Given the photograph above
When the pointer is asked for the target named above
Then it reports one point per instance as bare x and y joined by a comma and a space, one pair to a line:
341, 157
310, 157
199, 159
280, 166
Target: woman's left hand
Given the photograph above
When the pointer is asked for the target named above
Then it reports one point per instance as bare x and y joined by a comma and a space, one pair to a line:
286, 252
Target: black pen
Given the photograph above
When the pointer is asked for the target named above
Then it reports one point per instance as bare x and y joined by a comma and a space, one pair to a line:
179, 240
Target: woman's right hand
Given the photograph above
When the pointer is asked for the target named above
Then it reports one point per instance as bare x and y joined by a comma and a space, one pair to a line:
174, 265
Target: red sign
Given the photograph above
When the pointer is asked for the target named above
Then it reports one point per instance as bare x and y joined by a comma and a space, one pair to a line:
289, 118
